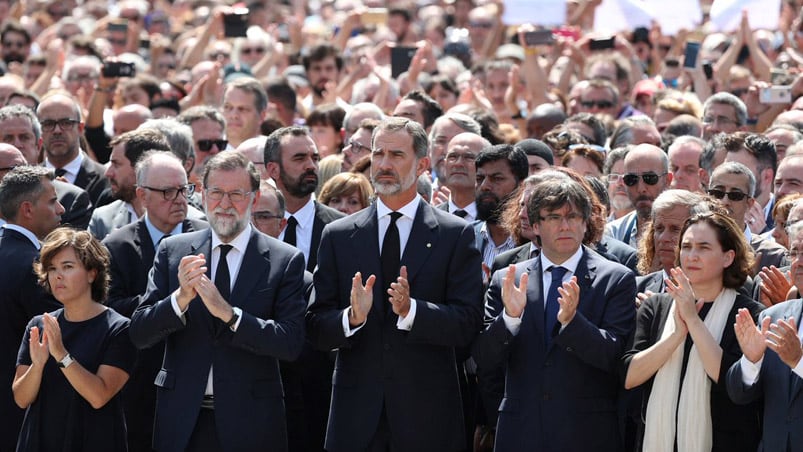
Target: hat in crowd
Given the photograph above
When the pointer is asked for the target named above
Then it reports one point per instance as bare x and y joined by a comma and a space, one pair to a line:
296, 75
232, 72
513, 51
538, 148
647, 87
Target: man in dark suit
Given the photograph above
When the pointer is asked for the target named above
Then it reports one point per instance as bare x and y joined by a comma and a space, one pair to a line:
219, 387
559, 323
62, 126
460, 175
292, 162
396, 316
775, 375
163, 190
28, 202
21, 129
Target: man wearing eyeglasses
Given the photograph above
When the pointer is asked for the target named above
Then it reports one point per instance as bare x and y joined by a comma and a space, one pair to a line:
723, 113
460, 174
733, 184
60, 118
268, 215
162, 191
359, 143
646, 175
229, 303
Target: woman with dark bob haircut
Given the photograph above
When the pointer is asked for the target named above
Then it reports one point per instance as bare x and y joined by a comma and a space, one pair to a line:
347, 192
73, 362
685, 343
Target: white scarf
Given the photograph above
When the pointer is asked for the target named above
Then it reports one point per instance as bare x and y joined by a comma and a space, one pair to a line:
693, 416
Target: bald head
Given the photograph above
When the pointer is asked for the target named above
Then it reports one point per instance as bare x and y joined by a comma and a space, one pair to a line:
646, 176
254, 150
459, 171
10, 157
130, 117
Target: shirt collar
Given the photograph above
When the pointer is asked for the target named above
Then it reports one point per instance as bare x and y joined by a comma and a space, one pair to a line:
304, 216
240, 243
73, 167
470, 209
408, 210
570, 263
30, 235
156, 234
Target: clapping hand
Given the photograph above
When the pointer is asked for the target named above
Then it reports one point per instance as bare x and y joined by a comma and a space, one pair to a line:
514, 297
752, 340
782, 338
679, 287
400, 294
569, 300
362, 297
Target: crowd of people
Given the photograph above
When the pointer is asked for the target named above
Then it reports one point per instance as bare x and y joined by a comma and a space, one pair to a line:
365, 225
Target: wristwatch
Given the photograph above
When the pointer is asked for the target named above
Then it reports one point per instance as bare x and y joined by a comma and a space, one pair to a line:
66, 361
234, 318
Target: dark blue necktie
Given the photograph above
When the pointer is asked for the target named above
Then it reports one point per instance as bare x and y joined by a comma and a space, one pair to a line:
222, 275
552, 307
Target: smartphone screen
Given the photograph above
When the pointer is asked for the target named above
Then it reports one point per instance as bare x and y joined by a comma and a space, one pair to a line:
538, 37
235, 25
601, 44
400, 58
690, 55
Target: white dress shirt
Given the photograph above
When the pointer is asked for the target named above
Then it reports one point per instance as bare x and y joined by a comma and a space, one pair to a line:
305, 217
71, 168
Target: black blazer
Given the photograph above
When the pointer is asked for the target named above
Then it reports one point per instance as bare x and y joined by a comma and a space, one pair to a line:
514, 256
132, 253
621, 252
76, 203
92, 178
323, 216
248, 392
21, 298
561, 396
412, 375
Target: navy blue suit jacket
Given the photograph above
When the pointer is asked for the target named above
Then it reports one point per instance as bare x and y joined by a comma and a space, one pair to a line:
783, 412
561, 397
249, 410
412, 374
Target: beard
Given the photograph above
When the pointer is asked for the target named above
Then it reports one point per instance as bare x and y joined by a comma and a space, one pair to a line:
489, 207
301, 187
621, 202
226, 228
393, 188
14, 58
125, 194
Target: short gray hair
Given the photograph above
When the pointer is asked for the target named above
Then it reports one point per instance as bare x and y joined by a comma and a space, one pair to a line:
23, 183
669, 199
725, 98
151, 159
178, 134
414, 129
739, 169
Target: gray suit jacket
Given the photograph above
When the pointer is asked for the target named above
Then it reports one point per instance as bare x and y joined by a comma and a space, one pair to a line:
783, 405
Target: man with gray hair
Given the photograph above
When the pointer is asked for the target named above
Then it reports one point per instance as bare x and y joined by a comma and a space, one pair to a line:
723, 113
733, 184
208, 132
684, 163
358, 113
443, 130
460, 174
29, 204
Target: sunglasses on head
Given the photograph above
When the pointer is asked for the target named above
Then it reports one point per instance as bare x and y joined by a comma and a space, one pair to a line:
631, 179
598, 103
206, 145
732, 195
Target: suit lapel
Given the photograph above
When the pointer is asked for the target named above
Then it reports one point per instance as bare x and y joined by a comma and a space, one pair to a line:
144, 243
535, 298
256, 262
423, 239
795, 310
203, 245
317, 229
366, 235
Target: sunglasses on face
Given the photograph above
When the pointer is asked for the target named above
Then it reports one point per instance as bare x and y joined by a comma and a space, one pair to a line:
602, 104
206, 145
631, 179
732, 195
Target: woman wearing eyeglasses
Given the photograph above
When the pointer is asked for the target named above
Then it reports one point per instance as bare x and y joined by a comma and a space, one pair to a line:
73, 362
685, 343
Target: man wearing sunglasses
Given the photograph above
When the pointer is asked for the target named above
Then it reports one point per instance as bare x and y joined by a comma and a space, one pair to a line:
600, 96
208, 127
733, 185
646, 175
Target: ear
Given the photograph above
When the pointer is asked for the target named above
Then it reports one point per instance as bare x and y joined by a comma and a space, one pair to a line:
421, 166
669, 177
750, 202
91, 275
273, 170
140, 193
704, 179
257, 194
727, 259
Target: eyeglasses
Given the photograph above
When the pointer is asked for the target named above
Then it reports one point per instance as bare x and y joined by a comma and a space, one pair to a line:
63, 123
732, 195
453, 157
118, 42
250, 50
235, 196
795, 253
358, 147
480, 24
614, 178
573, 219
263, 216
722, 120
739, 92
601, 104
631, 179
171, 194
206, 145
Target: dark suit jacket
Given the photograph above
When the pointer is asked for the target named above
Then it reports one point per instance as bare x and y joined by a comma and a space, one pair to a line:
783, 413
132, 256
323, 216
21, 298
249, 411
514, 256
621, 252
412, 375
92, 178
76, 203
561, 397
768, 253
654, 282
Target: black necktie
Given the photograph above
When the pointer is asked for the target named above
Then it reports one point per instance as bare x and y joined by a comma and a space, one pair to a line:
222, 275
552, 306
391, 251
168, 235
290, 231
60, 172
461, 213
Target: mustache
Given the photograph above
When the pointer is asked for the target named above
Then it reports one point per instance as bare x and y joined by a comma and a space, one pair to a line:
381, 173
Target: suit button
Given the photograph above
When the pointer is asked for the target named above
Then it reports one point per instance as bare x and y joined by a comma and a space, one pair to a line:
387, 346
569, 349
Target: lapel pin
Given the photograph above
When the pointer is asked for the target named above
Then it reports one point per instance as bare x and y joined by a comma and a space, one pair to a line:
429, 245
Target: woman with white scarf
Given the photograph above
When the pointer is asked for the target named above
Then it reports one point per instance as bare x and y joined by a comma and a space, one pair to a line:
685, 343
